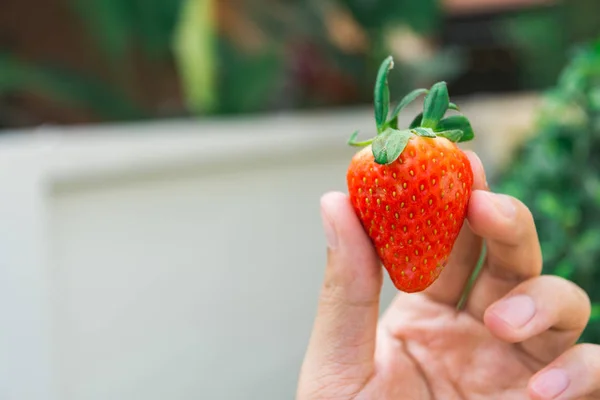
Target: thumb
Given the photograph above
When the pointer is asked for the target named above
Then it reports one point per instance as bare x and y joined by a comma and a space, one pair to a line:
346, 323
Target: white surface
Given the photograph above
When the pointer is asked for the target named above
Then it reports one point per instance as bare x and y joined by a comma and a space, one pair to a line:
175, 260
190, 285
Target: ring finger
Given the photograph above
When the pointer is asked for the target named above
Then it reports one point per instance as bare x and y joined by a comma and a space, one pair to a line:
544, 315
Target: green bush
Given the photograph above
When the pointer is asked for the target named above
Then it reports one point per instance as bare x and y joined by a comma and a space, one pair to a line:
557, 174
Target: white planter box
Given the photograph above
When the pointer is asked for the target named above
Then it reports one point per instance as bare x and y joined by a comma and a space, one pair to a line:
174, 260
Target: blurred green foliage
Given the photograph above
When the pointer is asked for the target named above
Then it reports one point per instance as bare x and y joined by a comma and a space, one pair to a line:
298, 65
423, 16
65, 86
194, 39
122, 25
557, 174
293, 62
543, 36
247, 56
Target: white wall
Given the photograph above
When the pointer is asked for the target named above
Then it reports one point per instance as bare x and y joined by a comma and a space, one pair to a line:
175, 260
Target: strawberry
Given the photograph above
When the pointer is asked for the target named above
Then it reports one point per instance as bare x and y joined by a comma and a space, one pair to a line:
411, 187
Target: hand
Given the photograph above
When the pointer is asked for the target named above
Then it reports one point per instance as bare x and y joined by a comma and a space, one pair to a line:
515, 338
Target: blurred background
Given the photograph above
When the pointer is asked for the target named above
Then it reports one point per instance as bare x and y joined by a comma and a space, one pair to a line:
161, 164
83, 61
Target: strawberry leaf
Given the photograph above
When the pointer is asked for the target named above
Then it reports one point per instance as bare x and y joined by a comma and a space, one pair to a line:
457, 122
409, 98
435, 105
453, 135
352, 141
424, 132
417, 121
453, 106
388, 146
382, 93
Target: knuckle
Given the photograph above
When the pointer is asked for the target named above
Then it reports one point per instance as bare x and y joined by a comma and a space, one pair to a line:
524, 223
587, 354
573, 301
579, 297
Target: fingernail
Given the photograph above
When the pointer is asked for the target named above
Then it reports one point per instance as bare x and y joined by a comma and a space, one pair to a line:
551, 383
516, 311
329, 229
504, 204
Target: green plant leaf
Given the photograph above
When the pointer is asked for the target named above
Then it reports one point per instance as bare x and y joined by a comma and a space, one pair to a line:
416, 122
246, 81
352, 138
409, 98
452, 106
435, 105
564, 269
457, 122
453, 135
67, 88
424, 132
119, 25
388, 146
352, 141
109, 22
194, 51
382, 93
595, 315
555, 173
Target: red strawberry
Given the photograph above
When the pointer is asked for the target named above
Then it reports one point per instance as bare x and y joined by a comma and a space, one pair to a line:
410, 188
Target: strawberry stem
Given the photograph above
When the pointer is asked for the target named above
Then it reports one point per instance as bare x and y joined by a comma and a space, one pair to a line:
471, 282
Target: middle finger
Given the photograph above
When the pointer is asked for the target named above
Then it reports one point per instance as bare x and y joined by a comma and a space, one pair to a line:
513, 249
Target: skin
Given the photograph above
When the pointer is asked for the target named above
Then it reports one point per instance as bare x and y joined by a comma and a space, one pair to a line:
515, 339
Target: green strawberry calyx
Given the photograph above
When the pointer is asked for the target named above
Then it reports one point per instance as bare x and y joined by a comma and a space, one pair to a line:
390, 141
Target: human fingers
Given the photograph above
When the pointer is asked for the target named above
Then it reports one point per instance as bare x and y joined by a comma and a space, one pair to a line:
545, 315
573, 375
465, 253
513, 249
342, 343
